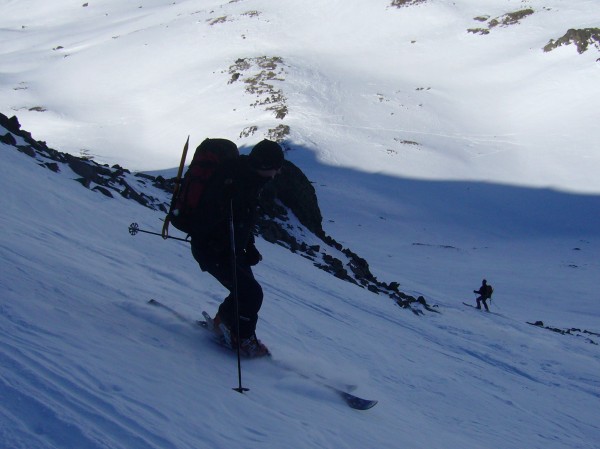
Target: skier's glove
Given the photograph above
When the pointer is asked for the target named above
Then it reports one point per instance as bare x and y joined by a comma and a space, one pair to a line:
253, 257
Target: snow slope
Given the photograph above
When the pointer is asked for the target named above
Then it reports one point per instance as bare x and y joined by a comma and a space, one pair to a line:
471, 155
87, 363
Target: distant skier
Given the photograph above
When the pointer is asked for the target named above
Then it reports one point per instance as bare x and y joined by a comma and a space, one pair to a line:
485, 293
234, 189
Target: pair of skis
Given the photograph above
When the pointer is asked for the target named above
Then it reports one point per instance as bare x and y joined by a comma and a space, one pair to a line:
351, 400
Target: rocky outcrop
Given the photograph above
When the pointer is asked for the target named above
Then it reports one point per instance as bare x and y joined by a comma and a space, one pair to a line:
581, 38
106, 180
568, 331
510, 18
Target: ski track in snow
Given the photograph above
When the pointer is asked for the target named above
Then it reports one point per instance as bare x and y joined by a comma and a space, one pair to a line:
51, 400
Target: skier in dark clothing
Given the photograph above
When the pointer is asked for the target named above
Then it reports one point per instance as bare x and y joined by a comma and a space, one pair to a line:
484, 293
234, 189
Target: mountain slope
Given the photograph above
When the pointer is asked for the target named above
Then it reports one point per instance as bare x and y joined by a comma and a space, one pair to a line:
440, 155
87, 363
408, 91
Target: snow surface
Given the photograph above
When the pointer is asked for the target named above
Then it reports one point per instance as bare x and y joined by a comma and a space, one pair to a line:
502, 184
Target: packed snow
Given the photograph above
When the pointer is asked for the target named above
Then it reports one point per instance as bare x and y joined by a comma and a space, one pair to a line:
439, 155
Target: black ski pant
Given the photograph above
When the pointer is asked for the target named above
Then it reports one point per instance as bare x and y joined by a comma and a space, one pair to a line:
250, 293
483, 300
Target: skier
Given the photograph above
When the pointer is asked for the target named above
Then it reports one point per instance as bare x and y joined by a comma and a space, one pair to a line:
485, 293
234, 190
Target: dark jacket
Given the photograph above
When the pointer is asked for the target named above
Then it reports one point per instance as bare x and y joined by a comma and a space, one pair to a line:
484, 291
234, 185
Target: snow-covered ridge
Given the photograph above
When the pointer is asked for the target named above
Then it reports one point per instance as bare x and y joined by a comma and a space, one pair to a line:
358, 84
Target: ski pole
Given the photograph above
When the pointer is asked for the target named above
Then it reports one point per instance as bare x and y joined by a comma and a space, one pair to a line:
234, 292
134, 228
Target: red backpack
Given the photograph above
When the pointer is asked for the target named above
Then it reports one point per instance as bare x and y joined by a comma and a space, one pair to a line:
209, 155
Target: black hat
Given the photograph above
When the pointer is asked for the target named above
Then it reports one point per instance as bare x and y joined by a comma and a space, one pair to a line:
266, 155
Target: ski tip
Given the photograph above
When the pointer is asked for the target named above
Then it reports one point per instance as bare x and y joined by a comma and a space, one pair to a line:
370, 404
358, 403
363, 404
